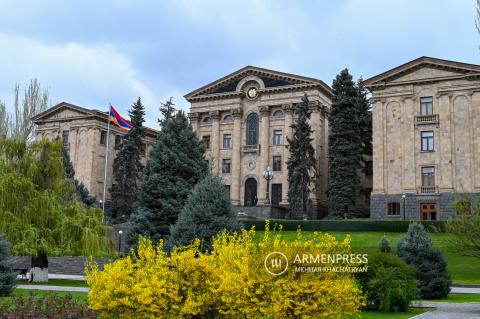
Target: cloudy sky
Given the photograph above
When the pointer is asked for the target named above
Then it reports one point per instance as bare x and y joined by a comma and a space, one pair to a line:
90, 53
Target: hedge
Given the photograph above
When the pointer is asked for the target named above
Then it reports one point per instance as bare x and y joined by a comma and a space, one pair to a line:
346, 225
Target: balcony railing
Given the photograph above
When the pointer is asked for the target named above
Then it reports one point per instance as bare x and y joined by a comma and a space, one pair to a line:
427, 119
428, 190
251, 148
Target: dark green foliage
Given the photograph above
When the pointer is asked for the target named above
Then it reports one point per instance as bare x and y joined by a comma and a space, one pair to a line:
167, 109
7, 275
81, 191
389, 284
345, 225
365, 119
416, 249
466, 227
385, 245
175, 166
302, 163
207, 212
344, 144
127, 166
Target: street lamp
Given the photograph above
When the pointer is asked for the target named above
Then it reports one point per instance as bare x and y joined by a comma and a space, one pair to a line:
404, 196
268, 175
120, 240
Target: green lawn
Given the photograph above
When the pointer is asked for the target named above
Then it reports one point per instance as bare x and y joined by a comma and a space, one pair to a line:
400, 315
79, 296
464, 270
56, 282
460, 298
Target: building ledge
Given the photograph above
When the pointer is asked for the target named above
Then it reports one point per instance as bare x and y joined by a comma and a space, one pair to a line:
427, 119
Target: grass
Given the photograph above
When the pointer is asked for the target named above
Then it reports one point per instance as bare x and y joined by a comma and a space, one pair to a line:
78, 296
56, 282
399, 315
464, 270
460, 298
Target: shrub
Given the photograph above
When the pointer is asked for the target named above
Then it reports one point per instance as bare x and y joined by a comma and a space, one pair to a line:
7, 275
385, 245
49, 306
227, 282
416, 249
208, 211
389, 284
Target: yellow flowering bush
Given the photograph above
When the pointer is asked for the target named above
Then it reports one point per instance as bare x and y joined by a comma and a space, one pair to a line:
231, 281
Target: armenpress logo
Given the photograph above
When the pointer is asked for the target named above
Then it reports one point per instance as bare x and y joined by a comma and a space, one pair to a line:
276, 263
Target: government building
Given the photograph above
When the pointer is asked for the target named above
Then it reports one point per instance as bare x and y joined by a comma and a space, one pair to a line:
84, 134
426, 139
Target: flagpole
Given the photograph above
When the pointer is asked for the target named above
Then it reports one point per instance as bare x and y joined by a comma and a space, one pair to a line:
106, 163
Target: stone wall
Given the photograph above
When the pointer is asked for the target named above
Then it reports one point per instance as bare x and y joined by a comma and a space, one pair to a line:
72, 265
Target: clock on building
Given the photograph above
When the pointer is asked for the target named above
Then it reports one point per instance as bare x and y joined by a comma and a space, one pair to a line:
252, 93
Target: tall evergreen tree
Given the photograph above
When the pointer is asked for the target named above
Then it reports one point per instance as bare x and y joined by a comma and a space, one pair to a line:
175, 166
344, 145
207, 212
81, 191
365, 118
167, 110
302, 163
127, 166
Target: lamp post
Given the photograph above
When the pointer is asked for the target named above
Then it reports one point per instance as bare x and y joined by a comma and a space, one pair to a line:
404, 196
268, 175
120, 240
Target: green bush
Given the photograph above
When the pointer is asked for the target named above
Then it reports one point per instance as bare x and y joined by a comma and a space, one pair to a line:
389, 284
417, 250
7, 275
385, 245
345, 225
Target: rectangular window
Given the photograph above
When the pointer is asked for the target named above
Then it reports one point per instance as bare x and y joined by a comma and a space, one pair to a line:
65, 138
277, 137
118, 140
277, 163
103, 137
227, 140
426, 105
393, 209
206, 141
226, 166
276, 194
427, 140
428, 176
227, 187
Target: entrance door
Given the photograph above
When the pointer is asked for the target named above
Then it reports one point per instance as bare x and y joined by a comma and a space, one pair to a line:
276, 194
428, 211
250, 192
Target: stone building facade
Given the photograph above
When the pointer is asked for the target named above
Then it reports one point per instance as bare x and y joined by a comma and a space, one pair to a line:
426, 138
244, 119
84, 132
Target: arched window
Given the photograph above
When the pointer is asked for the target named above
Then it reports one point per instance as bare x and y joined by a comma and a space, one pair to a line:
393, 209
207, 119
278, 113
228, 118
252, 129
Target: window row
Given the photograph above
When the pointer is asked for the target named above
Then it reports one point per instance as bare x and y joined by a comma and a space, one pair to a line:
229, 117
228, 143
276, 161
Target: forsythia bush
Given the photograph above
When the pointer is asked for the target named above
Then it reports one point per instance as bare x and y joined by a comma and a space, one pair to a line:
231, 281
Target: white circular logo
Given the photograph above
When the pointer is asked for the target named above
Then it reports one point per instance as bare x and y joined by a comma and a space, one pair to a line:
276, 263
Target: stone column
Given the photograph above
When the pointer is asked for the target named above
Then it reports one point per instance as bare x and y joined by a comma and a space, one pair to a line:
378, 146
264, 151
215, 143
287, 132
443, 143
236, 157
315, 125
194, 120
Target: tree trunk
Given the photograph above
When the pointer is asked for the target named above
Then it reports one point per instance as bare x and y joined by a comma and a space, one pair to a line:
39, 270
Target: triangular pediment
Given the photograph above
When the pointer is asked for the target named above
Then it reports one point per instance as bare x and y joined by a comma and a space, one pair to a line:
424, 69
270, 78
63, 110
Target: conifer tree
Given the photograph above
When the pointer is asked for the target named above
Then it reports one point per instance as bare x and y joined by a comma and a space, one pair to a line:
416, 249
175, 166
302, 163
81, 191
7, 275
365, 118
167, 110
127, 166
207, 212
344, 145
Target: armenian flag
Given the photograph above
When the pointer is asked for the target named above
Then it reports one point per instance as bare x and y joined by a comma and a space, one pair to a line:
120, 121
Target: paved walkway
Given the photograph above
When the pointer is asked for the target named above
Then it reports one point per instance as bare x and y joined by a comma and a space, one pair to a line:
53, 288
449, 310
465, 290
